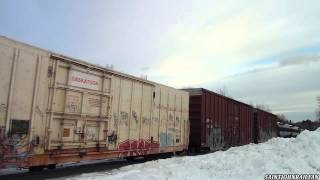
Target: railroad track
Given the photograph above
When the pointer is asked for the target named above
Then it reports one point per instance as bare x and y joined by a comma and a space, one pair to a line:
70, 170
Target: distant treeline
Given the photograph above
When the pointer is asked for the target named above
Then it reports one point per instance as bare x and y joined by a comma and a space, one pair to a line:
308, 124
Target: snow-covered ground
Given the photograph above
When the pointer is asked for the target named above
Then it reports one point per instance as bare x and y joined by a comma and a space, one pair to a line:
278, 155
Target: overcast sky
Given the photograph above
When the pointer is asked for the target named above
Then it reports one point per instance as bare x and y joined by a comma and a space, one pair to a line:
263, 52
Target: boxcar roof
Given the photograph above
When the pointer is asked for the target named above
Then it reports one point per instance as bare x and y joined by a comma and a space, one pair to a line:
81, 62
197, 91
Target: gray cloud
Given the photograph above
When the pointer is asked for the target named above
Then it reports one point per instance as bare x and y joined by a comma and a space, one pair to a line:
296, 60
145, 68
289, 89
299, 60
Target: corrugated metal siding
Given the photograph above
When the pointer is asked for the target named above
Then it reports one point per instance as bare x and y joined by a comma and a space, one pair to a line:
218, 121
246, 125
266, 125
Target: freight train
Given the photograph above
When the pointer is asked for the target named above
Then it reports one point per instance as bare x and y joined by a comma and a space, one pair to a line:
288, 130
219, 122
56, 109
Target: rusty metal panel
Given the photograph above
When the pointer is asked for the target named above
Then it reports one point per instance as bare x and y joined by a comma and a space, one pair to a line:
217, 121
246, 124
265, 125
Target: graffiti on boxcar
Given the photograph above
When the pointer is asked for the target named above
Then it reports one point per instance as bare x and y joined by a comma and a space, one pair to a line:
138, 147
91, 133
95, 102
215, 139
3, 108
73, 103
112, 138
135, 117
178, 135
116, 119
265, 135
124, 118
145, 120
39, 112
177, 130
177, 120
70, 107
166, 139
15, 146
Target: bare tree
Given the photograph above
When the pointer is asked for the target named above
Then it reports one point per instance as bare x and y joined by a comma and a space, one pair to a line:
251, 103
145, 77
222, 91
263, 107
109, 66
282, 118
318, 109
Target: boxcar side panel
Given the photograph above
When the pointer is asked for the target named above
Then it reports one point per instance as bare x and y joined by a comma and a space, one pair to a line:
246, 125
113, 130
23, 88
7, 55
124, 110
163, 117
81, 107
265, 126
155, 121
147, 107
136, 111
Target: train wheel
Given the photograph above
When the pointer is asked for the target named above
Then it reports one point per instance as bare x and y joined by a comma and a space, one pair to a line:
151, 157
130, 159
51, 166
36, 168
165, 155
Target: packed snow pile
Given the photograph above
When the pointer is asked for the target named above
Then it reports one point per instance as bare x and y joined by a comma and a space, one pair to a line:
278, 155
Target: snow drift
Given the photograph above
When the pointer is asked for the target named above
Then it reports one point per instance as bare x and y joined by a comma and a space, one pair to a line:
278, 155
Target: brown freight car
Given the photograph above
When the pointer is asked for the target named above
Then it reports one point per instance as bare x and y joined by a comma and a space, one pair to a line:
55, 109
218, 122
265, 126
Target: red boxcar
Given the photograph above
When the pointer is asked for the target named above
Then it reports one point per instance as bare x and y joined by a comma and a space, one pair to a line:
217, 122
265, 126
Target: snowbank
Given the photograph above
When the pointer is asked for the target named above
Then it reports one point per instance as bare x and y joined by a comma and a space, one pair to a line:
278, 155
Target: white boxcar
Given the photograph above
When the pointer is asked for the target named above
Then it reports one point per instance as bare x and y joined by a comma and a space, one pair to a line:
55, 109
